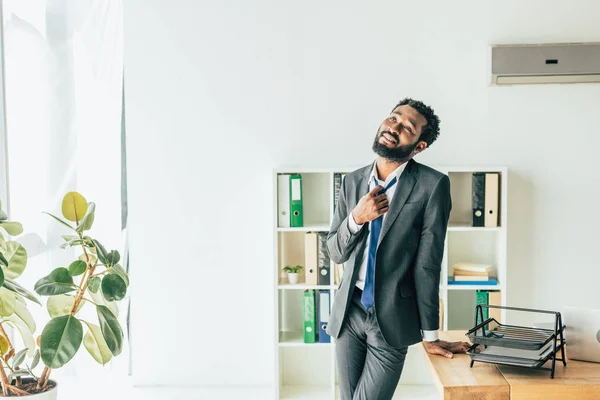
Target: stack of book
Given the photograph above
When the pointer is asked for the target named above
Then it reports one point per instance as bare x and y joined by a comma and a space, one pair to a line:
472, 274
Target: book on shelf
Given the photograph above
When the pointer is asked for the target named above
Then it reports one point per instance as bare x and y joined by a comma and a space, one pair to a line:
481, 297
491, 281
309, 316
324, 262
485, 199
466, 267
290, 212
461, 278
489, 298
470, 272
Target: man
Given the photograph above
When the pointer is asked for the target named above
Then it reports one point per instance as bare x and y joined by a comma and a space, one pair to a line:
389, 230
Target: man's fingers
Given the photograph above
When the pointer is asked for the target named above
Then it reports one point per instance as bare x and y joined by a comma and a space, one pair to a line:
442, 352
376, 190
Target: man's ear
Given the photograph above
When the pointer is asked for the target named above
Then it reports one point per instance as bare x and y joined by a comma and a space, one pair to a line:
421, 146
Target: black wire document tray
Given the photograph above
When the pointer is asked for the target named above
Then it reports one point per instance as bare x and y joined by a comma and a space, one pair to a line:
517, 346
494, 333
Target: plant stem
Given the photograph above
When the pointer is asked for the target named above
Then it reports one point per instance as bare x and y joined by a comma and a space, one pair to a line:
99, 273
4, 381
45, 373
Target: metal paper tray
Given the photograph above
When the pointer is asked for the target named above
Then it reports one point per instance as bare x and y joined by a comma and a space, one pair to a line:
493, 333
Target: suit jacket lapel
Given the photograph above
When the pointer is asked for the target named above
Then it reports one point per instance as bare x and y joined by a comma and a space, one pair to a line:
405, 186
363, 185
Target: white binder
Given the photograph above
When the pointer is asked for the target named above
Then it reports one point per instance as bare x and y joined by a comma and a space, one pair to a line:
283, 200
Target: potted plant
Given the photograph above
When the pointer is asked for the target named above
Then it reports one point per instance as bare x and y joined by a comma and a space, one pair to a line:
102, 282
292, 272
14, 313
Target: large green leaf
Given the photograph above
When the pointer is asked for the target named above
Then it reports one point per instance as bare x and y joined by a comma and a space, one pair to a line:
3, 216
77, 268
113, 288
28, 340
61, 338
1, 276
95, 344
3, 261
117, 269
16, 255
59, 220
61, 304
100, 300
88, 220
24, 315
74, 206
101, 251
94, 284
111, 330
12, 228
8, 302
58, 282
15, 287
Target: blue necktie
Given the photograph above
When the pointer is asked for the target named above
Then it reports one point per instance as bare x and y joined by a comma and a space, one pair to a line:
368, 295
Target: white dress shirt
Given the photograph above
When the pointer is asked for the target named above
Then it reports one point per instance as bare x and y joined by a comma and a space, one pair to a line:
354, 228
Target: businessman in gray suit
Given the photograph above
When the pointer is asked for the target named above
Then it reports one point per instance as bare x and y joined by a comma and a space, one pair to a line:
389, 230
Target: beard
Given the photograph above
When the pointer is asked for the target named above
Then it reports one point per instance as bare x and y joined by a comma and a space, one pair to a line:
395, 154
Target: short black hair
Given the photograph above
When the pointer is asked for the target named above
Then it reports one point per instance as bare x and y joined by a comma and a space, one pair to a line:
431, 131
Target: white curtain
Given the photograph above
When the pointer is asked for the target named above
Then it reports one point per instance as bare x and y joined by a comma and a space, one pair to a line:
63, 82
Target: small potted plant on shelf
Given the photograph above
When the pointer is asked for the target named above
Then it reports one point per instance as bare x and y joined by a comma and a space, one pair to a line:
20, 380
292, 272
102, 282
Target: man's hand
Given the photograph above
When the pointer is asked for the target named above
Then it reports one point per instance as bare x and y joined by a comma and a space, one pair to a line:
446, 349
370, 206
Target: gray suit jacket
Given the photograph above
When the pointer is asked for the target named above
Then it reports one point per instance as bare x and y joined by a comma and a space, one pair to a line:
409, 255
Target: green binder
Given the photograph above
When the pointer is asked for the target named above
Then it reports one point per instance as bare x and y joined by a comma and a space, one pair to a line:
310, 317
297, 219
481, 297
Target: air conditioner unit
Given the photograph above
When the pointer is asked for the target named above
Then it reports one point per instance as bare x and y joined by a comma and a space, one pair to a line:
546, 63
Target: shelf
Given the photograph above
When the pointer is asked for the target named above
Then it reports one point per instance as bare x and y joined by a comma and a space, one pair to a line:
302, 286
296, 339
473, 287
302, 392
323, 227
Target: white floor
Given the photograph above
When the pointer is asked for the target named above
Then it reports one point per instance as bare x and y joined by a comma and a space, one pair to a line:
73, 390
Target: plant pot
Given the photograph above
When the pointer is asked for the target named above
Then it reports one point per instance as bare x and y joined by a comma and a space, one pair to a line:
50, 394
293, 277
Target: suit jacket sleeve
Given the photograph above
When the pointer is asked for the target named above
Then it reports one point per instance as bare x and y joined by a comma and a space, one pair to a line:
430, 253
340, 240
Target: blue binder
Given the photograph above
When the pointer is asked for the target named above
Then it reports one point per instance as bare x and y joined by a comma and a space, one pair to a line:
324, 309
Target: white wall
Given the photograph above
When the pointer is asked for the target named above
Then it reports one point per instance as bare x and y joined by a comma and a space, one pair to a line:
220, 93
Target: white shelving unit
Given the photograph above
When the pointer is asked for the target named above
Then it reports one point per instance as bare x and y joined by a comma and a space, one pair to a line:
308, 371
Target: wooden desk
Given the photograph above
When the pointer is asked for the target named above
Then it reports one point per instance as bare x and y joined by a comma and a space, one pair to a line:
456, 380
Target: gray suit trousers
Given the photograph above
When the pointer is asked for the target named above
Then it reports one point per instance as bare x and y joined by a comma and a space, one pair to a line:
368, 368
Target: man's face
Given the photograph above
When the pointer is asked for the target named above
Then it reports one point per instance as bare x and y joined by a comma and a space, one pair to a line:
399, 134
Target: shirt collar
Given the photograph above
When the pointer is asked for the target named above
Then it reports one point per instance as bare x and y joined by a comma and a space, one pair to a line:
396, 173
